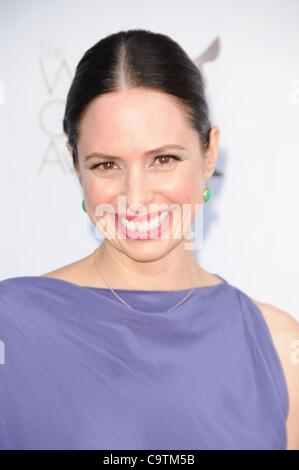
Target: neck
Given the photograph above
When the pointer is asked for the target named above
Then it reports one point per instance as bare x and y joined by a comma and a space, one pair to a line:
178, 269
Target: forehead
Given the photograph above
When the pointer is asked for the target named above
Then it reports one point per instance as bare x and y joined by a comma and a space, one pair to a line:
136, 117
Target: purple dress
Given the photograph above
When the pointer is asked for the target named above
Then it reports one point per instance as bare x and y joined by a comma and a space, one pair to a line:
80, 370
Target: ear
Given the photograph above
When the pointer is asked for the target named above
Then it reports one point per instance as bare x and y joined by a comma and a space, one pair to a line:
70, 150
210, 157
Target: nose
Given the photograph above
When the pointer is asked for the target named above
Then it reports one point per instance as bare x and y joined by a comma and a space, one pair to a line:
137, 189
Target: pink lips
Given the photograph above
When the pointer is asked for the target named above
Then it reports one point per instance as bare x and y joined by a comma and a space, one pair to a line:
151, 234
142, 217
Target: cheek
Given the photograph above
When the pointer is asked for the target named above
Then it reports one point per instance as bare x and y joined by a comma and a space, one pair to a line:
98, 191
98, 194
185, 189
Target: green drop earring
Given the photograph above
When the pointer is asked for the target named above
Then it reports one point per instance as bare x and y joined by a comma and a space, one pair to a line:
207, 194
83, 205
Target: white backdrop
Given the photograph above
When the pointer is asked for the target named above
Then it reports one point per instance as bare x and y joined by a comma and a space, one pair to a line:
251, 223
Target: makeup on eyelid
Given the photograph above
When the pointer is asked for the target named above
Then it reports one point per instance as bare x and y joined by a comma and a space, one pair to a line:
173, 157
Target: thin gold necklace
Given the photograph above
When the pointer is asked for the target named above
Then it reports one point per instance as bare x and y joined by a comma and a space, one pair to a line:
125, 303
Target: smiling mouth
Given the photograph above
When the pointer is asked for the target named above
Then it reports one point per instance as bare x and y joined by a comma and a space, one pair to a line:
147, 228
141, 218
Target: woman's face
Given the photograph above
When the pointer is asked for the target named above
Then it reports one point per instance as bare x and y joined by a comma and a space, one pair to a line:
128, 124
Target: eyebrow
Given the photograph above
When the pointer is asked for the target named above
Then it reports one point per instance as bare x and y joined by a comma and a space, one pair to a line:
146, 154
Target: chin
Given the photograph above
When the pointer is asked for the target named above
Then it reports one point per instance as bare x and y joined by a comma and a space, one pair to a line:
149, 250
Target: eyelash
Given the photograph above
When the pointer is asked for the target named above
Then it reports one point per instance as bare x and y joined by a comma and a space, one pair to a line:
174, 157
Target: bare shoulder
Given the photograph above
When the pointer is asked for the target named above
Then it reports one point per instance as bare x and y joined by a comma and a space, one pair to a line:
284, 329
77, 272
277, 318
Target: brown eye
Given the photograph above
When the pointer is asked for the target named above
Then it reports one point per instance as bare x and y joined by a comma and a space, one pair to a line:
97, 165
165, 159
109, 167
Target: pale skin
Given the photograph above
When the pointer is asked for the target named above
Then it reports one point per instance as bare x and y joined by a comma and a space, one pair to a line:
126, 124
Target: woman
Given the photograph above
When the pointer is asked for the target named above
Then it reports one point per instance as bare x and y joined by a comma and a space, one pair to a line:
137, 346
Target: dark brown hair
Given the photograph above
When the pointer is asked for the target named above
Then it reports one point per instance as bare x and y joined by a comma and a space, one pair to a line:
136, 58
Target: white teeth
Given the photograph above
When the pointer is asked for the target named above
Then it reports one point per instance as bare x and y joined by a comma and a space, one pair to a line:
144, 226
